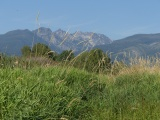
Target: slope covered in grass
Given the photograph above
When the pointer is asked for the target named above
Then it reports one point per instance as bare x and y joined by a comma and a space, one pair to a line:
62, 93
42, 93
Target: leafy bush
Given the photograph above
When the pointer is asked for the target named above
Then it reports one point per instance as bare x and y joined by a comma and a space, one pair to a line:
40, 49
66, 55
26, 51
93, 61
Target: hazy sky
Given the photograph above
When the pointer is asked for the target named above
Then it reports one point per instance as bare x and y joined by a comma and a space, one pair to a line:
114, 18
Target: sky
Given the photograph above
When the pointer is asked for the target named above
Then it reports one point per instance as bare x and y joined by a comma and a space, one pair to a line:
114, 18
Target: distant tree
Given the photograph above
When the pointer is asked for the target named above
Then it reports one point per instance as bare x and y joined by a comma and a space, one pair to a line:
93, 61
66, 55
40, 49
80, 60
26, 51
53, 55
98, 61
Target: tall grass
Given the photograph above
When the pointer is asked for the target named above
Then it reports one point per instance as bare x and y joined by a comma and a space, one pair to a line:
47, 93
68, 93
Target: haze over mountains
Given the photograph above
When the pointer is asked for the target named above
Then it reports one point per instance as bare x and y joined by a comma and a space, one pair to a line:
59, 40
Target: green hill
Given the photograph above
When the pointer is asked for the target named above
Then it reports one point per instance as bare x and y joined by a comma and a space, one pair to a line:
68, 93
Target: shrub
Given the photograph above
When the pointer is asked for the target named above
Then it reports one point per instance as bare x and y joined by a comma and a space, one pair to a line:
94, 61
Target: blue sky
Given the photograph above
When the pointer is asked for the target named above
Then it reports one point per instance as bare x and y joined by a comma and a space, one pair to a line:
114, 18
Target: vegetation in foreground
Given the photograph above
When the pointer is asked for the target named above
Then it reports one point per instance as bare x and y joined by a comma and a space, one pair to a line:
57, 92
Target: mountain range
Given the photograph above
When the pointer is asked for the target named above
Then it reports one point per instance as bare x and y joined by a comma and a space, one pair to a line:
142, 45
59, 40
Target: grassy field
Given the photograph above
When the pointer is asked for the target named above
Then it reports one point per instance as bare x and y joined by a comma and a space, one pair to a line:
54, 92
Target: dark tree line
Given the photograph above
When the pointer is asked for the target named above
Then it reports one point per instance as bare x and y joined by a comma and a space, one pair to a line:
93, 61
39, 50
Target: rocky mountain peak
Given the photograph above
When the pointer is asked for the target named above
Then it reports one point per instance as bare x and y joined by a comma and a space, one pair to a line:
43, 31
60, 31
65, 40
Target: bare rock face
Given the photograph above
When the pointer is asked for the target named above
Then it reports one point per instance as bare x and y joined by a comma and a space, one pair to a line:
77, 41
44, 33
